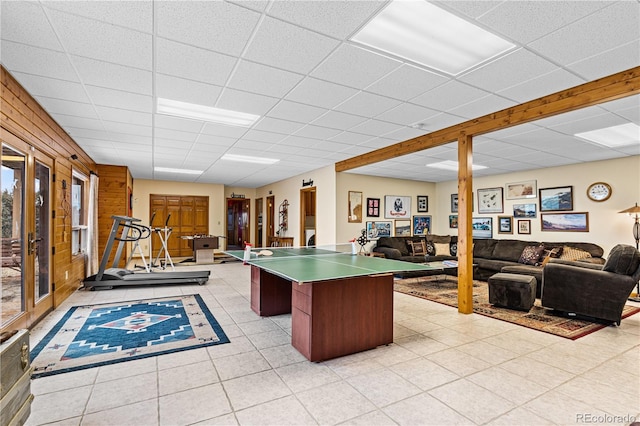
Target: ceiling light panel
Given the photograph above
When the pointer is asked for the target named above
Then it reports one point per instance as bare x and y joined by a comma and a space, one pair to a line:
249, 159
425, 34
205, 113
613, 137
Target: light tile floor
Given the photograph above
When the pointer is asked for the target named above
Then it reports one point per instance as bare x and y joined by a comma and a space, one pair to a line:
443, 368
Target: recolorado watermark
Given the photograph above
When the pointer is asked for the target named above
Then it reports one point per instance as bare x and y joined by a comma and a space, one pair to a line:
588, 418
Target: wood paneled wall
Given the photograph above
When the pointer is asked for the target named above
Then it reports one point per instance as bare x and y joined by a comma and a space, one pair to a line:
24, 118
113, 195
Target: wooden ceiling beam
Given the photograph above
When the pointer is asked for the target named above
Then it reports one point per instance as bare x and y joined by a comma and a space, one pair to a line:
616, 86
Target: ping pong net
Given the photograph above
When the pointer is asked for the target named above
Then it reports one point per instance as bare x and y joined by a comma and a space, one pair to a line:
265, 253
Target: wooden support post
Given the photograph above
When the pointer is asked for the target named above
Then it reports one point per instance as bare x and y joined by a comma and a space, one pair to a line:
465, 212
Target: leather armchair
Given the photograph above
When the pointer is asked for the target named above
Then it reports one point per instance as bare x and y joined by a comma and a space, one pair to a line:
598, 291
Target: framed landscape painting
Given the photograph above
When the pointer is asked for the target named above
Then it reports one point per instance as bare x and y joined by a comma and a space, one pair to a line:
482, 227
505, 225
565, 222
556, 199
403, 228
525, 189
378, 229
524, 210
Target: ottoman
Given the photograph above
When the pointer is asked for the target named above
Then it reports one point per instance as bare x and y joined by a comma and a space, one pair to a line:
512, 291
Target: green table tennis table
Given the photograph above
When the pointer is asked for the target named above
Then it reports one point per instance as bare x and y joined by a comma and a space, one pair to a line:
339, 303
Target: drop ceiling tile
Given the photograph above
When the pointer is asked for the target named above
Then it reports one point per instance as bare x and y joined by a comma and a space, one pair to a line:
442, 121
78, 122
298, 142
518, 66
26, 23
355, 67
614, 25
128, 129
610, 62
267, 46
123, 116
256, 147
376, 143
350, 138
631, 150
212, 143
543, 85
260, 136
339, 120
407, 114
449, 95
193, 63
263, 79
406, 83
317, 132
280, 150
169, 151
118, 99
312, 91
132, 139
52, 88
221, 130
36, 61
99, 40
592, 123
525, 21
251, 103
106, 74
471, 8
213, 25
367, 104
335, 18
269, 124
77, 109
404, 133
135, 15
375, 127
137, 151
294, 111
180, 89
176, 123
480, 107
175, 135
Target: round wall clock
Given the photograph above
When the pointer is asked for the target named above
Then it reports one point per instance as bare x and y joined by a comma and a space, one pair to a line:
599, 191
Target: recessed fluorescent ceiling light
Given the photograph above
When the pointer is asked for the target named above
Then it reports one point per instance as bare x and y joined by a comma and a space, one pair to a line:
205, 113
249, 159
424, 33
183, 171
453, 165
624, 134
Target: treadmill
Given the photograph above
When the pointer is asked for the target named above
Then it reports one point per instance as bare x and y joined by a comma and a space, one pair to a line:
107, 278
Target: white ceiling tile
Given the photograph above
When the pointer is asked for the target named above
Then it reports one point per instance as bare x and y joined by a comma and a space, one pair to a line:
221, 130
406, 83
542, 86
37, 61
99, 40
480, 107
123, 116
524, 21
610, 62
180, 89
213, 25
79, 122
54, 106
350, 138
176, 135
26, 23
251, 103
268, 46
312, 91
262, 79
106, 74
193, 63
471, 8
367, 104
254, 148
335, 18
176, 123
294, 111
375, 127
407, 114
449, 95
269, 124
339, 120
317, 132
613, 26
376, 143
128, 129
507, 71
212, 143
442, 121
260, 136
135, 15
52, 88
355, 67
117, 99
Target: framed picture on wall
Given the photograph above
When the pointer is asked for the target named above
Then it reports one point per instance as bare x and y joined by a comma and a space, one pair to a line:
524, 210
490, 200
505, 225
403, 228
378, 229
565, 222
525, 189
355, 206
556, 199
524, 226
482, 227
397, 207
423, 203
421, 225
373, 207
454, 203
453, 221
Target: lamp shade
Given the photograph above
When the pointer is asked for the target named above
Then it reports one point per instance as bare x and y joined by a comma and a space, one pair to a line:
631, 210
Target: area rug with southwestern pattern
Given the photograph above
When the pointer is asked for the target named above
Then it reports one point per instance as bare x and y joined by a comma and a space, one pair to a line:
95, 335
538, 318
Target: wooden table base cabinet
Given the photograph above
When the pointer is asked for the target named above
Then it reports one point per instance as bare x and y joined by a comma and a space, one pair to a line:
270, 294
340, 317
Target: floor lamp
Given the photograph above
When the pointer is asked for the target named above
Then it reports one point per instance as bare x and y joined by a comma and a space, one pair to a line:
635, 213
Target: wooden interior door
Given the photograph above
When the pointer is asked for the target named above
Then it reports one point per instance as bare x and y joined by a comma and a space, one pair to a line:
238, 222
269, 225
308, 217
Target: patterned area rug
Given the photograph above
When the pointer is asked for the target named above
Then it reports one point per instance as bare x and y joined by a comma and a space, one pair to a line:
94, 335
538, 318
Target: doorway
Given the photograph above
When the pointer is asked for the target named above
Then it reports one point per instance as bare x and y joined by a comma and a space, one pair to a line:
26, 234
238, 225
308, 216
259, 229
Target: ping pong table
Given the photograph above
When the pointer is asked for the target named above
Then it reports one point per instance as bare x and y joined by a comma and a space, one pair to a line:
339, 303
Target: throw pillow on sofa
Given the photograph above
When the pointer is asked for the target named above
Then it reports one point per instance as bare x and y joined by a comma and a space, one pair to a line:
417, 248
531, 255
442, 249
572, 253
431, 249
553, 253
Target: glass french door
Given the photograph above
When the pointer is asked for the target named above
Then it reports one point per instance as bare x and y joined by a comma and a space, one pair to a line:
26, 185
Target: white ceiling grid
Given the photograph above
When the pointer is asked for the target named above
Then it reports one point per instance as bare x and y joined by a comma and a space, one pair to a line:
97, 67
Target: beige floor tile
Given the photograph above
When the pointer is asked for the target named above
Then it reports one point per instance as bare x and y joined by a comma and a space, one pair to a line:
424, 373
239, 365
269, 339
177, 359
383, 387
424, 410
306, 375
225, 420
279, 356
237, 345
608, 396
284, 411
521, 417
126, 369
472, 401
537, 372
458, 362
193, 405
561, 409
510, 386
487, 352
60, 382
125, 391
335, 403
185, 377
374, 418
255, 389
58, 406
420, 344
140, 413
